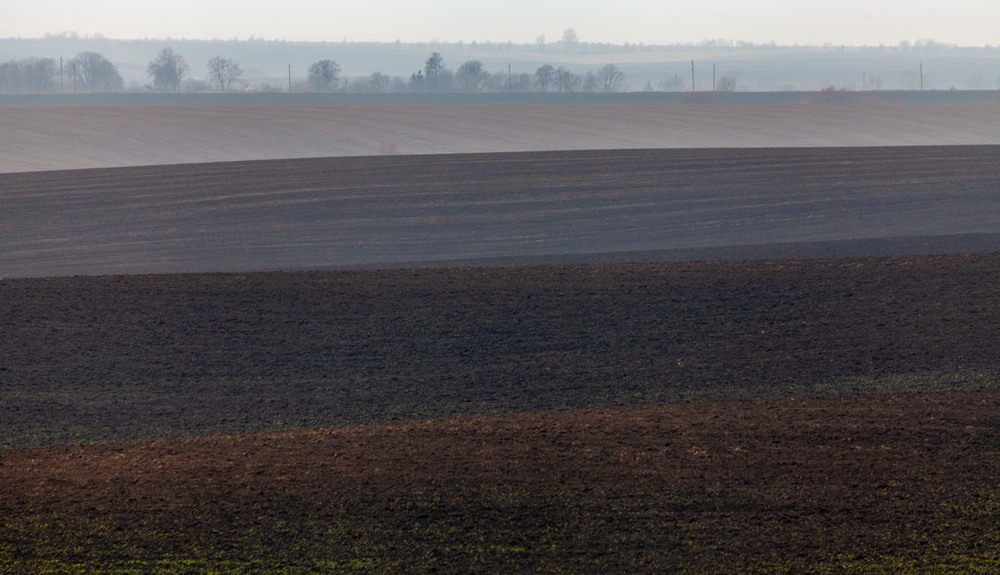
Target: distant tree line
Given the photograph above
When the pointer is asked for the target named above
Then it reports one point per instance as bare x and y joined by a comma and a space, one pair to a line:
87, 72
92, 72
472, 76
169, 72
29, 76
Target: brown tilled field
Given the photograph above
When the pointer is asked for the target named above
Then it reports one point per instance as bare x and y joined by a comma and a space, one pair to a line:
574, 402
858, 484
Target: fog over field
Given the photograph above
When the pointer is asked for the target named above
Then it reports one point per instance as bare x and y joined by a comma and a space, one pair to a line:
761, 67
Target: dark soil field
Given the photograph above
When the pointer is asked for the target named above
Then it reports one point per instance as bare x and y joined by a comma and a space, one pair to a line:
796, 416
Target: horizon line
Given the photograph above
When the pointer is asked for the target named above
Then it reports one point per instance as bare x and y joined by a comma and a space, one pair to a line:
714, 43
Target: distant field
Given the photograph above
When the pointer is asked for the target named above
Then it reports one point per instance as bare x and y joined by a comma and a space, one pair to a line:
589, 206
118, 131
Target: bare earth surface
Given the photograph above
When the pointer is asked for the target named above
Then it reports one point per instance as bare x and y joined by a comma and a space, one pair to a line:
610, 204
821, 416
863, 484
774, 359
53, 137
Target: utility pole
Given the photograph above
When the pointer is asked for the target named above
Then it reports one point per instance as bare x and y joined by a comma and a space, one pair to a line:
289, 78
692, 75
510, 78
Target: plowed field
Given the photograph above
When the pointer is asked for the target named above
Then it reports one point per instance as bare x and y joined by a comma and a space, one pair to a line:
224, 128
773, 360
397, 210
823, 416
865, 484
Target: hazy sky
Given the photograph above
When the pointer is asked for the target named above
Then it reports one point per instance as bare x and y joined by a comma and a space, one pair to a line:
966, 22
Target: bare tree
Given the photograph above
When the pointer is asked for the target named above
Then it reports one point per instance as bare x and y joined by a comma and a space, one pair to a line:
92, 72
437, 77
10, 78
500, 81
40, 74
417, 82
727, 84
379, 82
545, 78
376, 83
569, 40
324, 75
28, 76
167, 70
222, 72
507, 81
567, 81
610, 79
470, 76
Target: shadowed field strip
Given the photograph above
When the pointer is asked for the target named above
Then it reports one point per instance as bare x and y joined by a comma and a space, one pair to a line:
123, 357
311, 213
